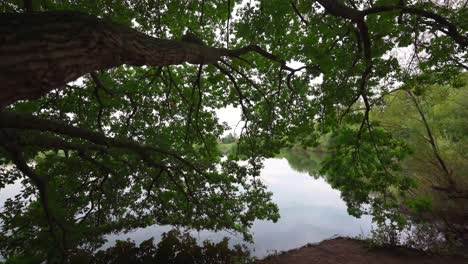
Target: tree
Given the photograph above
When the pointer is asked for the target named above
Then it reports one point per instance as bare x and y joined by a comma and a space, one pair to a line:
435, 129
228, 139
133, 143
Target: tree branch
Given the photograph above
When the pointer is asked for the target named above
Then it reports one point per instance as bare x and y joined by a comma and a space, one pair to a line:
12, 147
44, 51
298, 13
441, 162
452, 30
29, 122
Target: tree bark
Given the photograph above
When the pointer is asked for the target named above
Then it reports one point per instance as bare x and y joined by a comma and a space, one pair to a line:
339, 9
43, 51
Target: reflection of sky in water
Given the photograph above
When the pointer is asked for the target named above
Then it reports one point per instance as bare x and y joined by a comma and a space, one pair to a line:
9, 192
310, 210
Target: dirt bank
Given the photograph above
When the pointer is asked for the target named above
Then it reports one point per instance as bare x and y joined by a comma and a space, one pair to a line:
351, 251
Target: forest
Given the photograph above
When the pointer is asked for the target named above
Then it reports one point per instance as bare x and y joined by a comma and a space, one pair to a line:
110, 121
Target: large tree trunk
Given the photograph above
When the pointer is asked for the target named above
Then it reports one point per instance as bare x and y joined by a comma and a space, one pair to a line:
43, 51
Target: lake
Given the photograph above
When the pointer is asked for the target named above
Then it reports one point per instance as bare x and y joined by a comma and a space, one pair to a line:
311, 211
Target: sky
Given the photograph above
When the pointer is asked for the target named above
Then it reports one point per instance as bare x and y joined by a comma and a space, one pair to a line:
232, 115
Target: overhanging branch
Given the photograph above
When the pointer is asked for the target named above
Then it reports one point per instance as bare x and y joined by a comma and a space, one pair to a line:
451, 31
29, 122
46, 50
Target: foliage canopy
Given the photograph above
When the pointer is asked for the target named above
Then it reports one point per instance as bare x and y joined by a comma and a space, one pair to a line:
132, 145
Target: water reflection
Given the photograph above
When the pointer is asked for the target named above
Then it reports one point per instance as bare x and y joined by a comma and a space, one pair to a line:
9, 192
310, 210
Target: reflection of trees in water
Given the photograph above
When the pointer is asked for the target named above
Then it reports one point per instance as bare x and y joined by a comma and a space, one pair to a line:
304, 159
175, 247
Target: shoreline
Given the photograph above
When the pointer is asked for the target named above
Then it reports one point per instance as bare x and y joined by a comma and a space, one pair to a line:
355, 251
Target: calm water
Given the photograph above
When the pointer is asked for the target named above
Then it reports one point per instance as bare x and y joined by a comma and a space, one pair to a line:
310, 209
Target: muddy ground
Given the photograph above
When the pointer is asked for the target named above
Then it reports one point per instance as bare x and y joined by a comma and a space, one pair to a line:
351, 251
